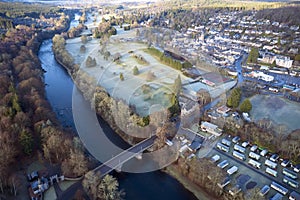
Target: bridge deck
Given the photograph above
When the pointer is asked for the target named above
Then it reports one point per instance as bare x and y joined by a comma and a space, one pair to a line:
124, 156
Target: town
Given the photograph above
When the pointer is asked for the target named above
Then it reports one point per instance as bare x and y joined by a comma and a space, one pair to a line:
197, 99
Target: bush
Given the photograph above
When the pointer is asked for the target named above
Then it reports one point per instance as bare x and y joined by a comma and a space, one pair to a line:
82, 49
90, 62
135, 70
121, 77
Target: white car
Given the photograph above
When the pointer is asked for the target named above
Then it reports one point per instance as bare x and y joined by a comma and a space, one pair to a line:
285, 163
245, 144
253, 148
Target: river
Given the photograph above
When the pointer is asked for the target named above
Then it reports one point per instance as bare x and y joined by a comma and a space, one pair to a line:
141, 186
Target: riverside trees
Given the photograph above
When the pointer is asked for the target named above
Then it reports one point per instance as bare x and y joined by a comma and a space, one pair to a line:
101, 189
23, 107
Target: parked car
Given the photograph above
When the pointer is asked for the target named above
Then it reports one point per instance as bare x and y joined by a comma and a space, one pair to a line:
285, 163
225, 182
215, 158
32, 176
236, 139
264, 152
264, 190
274, 157
253, 148
245, 144
297, 168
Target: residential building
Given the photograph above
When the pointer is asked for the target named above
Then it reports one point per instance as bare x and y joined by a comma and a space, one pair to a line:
284, 61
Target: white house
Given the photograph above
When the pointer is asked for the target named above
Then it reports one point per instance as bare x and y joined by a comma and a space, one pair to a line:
284, 61
261, 75
211, 128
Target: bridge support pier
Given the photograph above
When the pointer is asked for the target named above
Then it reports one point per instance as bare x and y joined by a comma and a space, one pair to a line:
139, 156
119, 169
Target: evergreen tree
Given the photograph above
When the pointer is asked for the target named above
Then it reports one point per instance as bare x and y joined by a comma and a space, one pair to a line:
135, 70
26, 141
121, 77
246, 106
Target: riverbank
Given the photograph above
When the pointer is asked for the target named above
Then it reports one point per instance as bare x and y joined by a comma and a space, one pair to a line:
171, 170
200, 193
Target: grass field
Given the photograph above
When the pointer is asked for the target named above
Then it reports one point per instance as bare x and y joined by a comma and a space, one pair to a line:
279, 110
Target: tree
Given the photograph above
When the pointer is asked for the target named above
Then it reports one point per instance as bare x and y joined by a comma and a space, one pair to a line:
297, 57
105, 189
82, 49
26, 141
84, 39
138, 32
177, 85
253, 55
76, 164
234, 99
90, 62
150, 76
15, 183
246, 106
135, 70
121, 77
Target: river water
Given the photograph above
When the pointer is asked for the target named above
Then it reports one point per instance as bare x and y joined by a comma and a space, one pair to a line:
141, 186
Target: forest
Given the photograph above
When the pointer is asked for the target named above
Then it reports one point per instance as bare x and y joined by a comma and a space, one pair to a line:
28, 126
289, 15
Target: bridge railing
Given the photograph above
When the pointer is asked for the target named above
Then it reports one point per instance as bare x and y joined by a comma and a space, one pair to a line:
132, 154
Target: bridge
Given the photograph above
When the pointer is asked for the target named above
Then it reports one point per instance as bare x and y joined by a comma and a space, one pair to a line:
117, 161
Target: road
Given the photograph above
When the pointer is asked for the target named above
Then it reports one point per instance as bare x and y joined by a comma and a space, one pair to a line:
124, 156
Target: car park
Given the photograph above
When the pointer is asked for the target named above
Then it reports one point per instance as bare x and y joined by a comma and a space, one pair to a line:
264, 190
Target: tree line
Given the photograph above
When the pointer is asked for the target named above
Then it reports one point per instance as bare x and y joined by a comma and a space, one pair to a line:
28, 126
168, 60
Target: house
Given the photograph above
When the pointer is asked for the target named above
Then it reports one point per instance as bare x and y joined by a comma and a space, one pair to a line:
223, 110
211, 128
195, 146
261, 75
267, 57
189, 107
284, 61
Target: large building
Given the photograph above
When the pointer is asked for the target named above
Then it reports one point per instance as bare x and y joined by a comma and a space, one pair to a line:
211, 128
284, 61
261, 75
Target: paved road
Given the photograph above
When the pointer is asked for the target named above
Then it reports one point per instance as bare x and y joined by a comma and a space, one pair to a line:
124, 156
